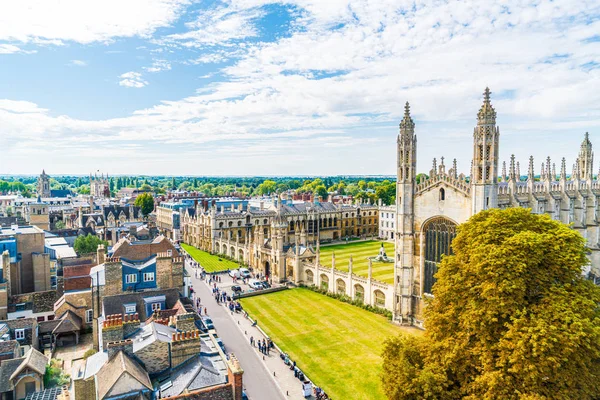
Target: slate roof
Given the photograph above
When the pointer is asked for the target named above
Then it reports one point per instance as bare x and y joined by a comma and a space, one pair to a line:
60, 193
7, 368
115, 304
196, 373
151, 333
69, 322
47, 326
126, 210
140, 251
8, 346
33, 360
110, 373
22, 323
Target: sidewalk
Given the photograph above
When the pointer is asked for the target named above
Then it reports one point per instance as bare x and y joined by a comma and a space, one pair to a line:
289, 385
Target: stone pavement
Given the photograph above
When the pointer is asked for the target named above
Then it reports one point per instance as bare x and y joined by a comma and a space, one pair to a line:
262, 374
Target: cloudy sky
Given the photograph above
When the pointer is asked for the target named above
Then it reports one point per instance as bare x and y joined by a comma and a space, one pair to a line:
296, 87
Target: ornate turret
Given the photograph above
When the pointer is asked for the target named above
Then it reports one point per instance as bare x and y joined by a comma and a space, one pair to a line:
530, 172
512, 175
486, 114
407, 148
486, 144
585, 162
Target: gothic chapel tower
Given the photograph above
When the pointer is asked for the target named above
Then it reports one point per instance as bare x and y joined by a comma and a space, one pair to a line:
405, 190
484, 174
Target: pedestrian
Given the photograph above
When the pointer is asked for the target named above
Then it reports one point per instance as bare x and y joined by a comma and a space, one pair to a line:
252, 341
205, 312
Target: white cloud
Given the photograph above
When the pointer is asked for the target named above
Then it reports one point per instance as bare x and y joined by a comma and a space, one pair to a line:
159, 65
132, 79
343, 74
53, 22
77, 63
12, 49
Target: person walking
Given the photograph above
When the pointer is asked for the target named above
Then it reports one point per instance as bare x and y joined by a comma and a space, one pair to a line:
252, 341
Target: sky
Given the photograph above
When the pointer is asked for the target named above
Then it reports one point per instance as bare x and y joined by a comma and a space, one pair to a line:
289, 87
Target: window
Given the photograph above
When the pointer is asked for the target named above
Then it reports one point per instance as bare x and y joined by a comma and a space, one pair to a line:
155, 306
130, 309
442, 194
89, 316
19, 334
148, 276
41, 319
131, 278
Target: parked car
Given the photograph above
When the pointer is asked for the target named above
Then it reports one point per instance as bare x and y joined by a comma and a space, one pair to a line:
234, 273
256, 285
265, 284
245, 273
236, 289
208, 323
244, 395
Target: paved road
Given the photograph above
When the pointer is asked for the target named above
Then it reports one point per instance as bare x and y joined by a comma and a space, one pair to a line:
258, 383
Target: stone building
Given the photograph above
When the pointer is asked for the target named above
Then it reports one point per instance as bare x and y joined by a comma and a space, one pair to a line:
99, 186
387, 222
429, 212
20, 377
25, 265
43, 185
262, 236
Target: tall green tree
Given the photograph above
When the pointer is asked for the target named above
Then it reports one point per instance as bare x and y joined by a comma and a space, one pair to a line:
88, 244
511, 317
146, 202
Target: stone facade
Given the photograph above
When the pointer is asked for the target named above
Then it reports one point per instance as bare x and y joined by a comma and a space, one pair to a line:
261, 236
428, 212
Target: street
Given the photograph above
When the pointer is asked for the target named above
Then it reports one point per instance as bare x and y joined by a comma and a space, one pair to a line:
258, 383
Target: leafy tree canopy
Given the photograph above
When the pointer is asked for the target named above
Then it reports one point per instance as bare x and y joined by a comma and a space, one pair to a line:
146, 202
88, 244
511, 317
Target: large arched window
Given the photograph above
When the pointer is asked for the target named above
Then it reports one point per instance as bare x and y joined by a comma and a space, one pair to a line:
310, 276
324, 282
438, 233
379, 298
340, 286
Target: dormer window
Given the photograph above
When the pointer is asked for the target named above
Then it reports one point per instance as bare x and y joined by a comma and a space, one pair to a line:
19, 334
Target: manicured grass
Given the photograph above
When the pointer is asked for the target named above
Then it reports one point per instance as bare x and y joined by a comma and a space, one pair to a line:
359, 251
209, 262
336, 344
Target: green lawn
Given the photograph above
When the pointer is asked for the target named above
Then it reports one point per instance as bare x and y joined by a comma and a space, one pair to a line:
336, 344
209, 262
360, 264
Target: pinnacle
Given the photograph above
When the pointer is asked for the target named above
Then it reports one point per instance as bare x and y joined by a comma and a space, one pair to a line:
407, 110
486, 94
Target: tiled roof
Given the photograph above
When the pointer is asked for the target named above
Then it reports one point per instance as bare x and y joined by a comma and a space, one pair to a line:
33, 360
8, 346
7, 368
140, 251
20, 323
110, 373
115, 304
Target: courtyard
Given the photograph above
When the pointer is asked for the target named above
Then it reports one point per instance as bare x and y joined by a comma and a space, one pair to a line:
336, 344
359, 251
210, 262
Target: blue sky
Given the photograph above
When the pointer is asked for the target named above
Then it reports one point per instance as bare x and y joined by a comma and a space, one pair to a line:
297, 87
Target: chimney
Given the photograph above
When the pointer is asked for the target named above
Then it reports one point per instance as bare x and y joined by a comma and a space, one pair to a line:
131, 324
184, 345
234, 373
123, 345
185, 322
100, 254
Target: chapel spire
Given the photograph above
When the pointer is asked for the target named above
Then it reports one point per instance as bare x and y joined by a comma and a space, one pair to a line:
486, 114
563, 169
585, 163
407, 148
512, 171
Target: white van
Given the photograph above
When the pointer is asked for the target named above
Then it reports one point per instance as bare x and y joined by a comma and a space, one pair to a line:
234, 273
